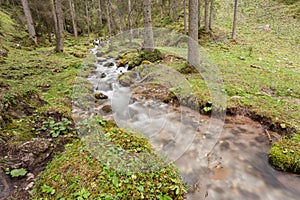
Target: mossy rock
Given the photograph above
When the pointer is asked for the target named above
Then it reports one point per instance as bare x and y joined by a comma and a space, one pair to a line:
128, 78
285, 154
154, 56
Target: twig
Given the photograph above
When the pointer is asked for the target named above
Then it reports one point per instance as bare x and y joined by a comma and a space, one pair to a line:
269, 136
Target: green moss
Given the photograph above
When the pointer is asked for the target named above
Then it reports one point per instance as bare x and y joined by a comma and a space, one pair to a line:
285, 154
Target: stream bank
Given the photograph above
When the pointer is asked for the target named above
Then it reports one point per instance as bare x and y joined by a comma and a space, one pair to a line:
232, 165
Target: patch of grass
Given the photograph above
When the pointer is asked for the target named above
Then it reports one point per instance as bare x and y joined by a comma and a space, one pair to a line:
76, 172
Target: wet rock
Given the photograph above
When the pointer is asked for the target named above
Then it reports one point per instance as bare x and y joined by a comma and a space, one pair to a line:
106, 109
103, 75
100, 54
128, 78
109, 64
122, 62
101, 96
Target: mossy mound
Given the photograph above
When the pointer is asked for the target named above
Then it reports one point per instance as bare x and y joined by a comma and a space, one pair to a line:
285, 154
134, 59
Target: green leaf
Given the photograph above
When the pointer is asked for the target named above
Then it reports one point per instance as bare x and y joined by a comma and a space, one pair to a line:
18, 172
115, 181
48, 190
140, 188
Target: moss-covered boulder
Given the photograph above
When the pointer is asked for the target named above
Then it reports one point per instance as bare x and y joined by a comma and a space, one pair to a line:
285, 154
128, 78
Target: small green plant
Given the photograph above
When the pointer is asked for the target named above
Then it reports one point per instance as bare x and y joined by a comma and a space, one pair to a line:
48, 190
82, 194
56, 128
16, 172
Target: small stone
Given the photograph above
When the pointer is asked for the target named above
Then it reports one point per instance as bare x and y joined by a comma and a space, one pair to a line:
30, 176
290, 63
101, 96
99, 54
259, 59
29, 186
278, 61
106, 109
103, 75
242, 58
108, 64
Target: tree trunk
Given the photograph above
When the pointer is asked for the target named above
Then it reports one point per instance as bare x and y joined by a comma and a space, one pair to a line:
99, 14
54, 14
170, 10
59, 29
87, 13
235, 19
184, 18
161, 9
199, 13
108, 17
72, 9
206, 17
193, 51
129, 21
211, 14
148, 32
31, 29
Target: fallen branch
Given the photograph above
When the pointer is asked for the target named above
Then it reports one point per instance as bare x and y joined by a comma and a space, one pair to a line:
269, 136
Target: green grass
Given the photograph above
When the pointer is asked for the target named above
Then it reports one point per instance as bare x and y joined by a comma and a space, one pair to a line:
77, 174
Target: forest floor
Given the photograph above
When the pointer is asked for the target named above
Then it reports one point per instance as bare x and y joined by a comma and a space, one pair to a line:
260, 72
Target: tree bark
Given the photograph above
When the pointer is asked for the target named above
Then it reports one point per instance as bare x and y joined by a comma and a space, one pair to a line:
148, 32
31, 29
99, 14
193, 51
130, 21
211, 15
206, 16
184, 18
87, 13
107, 4
199, 13
161, 9
235, 19
59, 29
170, 10
73, 16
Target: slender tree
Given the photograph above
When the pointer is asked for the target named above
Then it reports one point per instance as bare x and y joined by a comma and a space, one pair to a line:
199, 13
130, 21
206, 16
161, 3
107, 4
87, 14
148, 31
72, 10
235, 18
31, 29
193, 51
170, 9
211, 15
99, 14
59, 28
184, 18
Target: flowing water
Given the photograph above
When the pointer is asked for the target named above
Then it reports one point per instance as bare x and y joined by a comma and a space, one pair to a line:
232, 165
